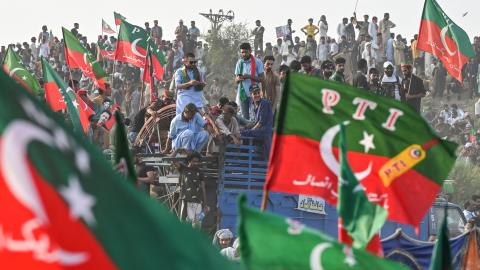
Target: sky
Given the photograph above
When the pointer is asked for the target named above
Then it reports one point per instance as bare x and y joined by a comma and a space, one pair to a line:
19, 24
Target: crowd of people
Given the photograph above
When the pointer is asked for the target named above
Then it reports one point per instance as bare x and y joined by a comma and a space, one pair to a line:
363, 53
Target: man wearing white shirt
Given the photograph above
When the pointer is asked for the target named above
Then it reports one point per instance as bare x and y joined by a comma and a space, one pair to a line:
44, 49
341, 29
323, 25
322, 50
373, 29
333, 47
33, 48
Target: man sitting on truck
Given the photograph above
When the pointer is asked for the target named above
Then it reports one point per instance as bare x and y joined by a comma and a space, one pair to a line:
261, 112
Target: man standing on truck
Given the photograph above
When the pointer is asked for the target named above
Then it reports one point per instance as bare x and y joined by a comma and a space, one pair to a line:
193, 193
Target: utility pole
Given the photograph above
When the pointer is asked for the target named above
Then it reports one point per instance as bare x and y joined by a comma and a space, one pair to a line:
218, 18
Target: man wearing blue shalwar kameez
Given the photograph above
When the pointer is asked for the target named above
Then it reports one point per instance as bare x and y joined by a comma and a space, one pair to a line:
187, 130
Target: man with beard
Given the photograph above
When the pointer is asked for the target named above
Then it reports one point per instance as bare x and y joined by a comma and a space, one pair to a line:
338, 76
391, 83
327, 69
190, 84
414, 88
248, 71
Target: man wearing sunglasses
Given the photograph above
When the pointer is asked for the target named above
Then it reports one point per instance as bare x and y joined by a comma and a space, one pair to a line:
190, 83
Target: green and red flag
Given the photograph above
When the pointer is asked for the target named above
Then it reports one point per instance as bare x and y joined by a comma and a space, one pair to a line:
13, 66
271, 242
442, 255
106, 51
440, 36
393, 151
107, 28
148, 77
118, 18
132, 44
63, 207
59, 96
123, 159
158, 59
360, 218
78, 57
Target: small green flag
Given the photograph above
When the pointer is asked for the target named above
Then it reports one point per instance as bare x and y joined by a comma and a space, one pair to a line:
442, 256
361, 218
13, 66
123, 159
271, 242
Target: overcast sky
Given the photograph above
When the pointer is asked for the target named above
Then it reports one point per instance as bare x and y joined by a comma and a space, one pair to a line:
18, 23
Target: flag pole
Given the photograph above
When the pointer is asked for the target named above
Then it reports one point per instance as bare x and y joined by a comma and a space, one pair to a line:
142, 94
66, 59
356, 4
264, 200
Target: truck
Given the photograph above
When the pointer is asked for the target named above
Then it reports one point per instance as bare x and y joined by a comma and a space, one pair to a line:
242, 169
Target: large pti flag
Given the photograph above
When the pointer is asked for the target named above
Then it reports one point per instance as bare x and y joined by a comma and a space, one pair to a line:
401, 170
13, 66
63, 207
132, 44
271, 242
78, 57
440, 36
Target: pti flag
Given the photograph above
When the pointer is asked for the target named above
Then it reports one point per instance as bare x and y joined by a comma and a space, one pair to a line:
440, 36
132, 44
59, 96
78, 57
63, 207
13, 66
392, 150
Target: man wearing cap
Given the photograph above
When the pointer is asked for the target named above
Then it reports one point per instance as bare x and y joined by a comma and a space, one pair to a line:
338, 75
189, 82
258, 37
391, 83
248, 70
414, 88
187, 131
262, 115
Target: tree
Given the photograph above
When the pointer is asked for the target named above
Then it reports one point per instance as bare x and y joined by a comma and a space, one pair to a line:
223, 53
467, 181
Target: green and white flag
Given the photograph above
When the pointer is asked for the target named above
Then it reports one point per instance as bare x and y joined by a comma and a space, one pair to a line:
271, 242
13, 66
